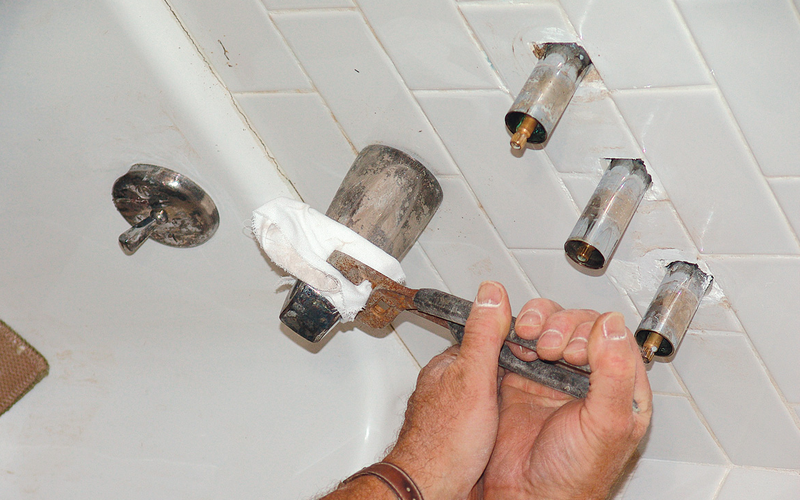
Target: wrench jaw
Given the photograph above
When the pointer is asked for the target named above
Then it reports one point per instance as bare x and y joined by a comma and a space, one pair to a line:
381, 308
387, 299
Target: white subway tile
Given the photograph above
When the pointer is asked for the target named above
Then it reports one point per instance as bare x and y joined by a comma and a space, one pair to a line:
738, 401
693, 146
358, 81
663, 480
422, 337
466, 250
677, 433
751, 47
747, 484
582, 186
787, 191
591, 129
306, 4
242, 44
764, 292
522, 195
430, 44
507, 32
655, 238
645, 46
315, 162
663, 379
556, 278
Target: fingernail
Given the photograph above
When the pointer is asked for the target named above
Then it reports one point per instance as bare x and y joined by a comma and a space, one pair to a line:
551, 338
577, 344
531, 317
489, 294
614, 327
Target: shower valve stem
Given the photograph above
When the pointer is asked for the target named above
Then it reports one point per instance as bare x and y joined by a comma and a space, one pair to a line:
524, 131
650, 347
584, 253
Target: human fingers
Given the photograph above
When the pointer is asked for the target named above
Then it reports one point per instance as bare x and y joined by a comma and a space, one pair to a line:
529, 325
559, 329
486, 329
615, 379
575, 351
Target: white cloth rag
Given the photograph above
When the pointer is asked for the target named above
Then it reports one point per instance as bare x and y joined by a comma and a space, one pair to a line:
300, 239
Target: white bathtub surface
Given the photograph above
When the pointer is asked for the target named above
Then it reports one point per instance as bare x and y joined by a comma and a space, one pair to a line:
170, 376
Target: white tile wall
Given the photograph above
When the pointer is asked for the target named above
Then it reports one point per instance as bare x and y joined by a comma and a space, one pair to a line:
704, 91
745, 484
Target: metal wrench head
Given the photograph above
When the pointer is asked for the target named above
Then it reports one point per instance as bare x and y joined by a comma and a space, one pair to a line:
388, 298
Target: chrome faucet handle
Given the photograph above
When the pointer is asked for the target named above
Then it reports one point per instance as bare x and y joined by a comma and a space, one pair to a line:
133, 238
165, 206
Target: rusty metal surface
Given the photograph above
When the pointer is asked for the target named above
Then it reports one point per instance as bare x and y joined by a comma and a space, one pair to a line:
389, 298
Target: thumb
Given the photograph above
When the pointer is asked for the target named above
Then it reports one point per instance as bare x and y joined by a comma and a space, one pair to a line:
614, 360
486, 328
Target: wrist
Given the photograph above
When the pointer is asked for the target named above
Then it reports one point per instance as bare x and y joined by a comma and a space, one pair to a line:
362, 488
394, 479
429, 483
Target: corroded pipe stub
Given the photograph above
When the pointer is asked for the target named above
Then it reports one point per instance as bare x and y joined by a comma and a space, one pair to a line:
546, 93
669, 315
609, 212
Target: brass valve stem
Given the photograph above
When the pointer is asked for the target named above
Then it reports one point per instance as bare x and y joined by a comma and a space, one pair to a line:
524, 131
650, 347
584, 253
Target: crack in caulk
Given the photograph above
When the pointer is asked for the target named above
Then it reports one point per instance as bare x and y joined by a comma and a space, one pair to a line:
239, 110
225, 53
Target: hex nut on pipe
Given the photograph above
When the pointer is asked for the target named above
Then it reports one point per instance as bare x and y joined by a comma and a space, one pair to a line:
606, 217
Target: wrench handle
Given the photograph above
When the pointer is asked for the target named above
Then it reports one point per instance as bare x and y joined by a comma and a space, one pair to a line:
561, 376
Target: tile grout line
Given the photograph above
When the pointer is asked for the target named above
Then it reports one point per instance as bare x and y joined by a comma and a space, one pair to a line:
612, 280
795, 9
233, 100
503, 85
479, 206
402, 80
700, 414
430, 263
749, 255
787, 405
304, 10
782, 177
664, 88
682, 223
405, 346
274, 92
732, 117
311, 80
459, 91
780, 205
722, 482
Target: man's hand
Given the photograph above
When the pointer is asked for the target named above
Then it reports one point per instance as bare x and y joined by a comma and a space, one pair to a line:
457, 442
551, 446
452, 417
